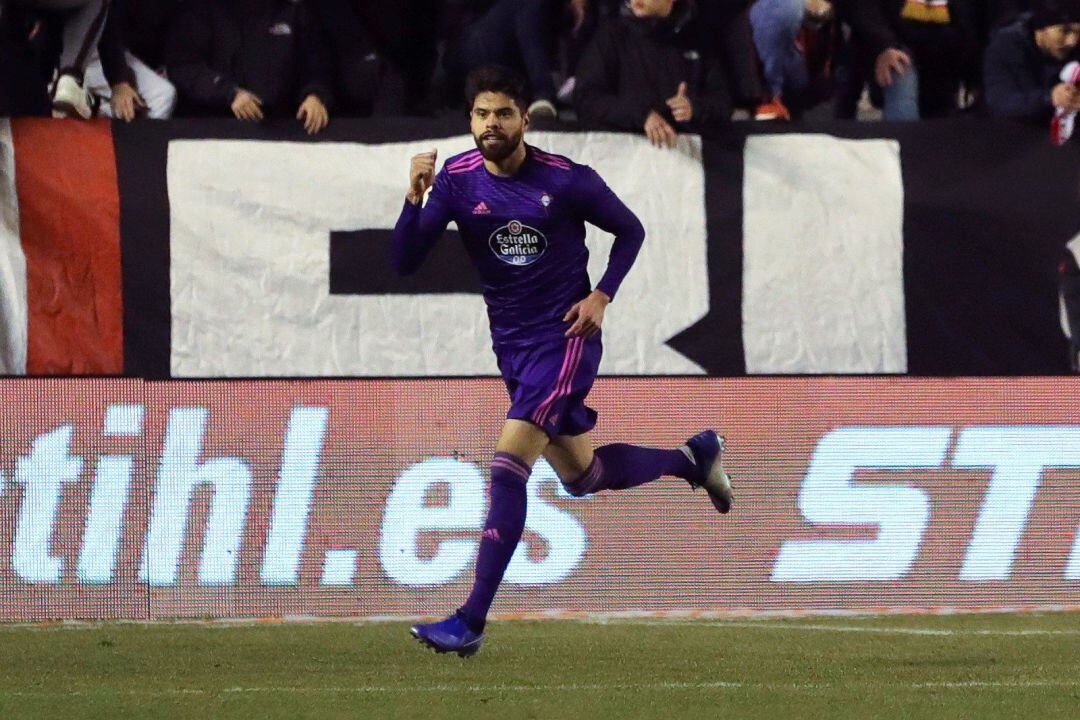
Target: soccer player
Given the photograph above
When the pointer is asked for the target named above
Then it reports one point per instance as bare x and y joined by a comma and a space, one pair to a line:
521, 213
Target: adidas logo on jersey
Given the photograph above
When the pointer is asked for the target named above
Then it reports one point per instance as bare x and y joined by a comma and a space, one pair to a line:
481, 209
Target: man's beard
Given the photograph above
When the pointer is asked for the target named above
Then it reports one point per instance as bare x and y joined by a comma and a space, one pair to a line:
499, 151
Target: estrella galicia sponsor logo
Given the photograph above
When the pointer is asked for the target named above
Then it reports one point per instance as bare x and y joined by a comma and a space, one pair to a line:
517, 244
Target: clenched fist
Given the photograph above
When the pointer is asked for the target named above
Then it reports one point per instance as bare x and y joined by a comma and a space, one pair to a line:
421, 175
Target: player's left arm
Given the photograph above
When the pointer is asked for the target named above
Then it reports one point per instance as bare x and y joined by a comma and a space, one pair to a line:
602, 207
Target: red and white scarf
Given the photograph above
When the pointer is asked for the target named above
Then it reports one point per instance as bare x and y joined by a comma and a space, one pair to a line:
1061, 127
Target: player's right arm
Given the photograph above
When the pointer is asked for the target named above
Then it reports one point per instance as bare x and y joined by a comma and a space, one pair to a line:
420, 225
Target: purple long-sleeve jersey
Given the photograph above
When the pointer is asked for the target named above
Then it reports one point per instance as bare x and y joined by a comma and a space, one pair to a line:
526, 236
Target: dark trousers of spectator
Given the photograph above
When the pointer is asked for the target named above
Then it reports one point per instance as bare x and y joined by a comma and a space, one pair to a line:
355, 59
515, 33
22, 89
26, 61
730, 22
83, 22
406, 32
369, 37
575, 44
939, 67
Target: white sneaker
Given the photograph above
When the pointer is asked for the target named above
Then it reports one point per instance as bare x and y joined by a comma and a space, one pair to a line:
70, 99
543, 109
705, 450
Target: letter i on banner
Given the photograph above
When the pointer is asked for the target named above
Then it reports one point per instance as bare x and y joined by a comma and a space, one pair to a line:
180, 473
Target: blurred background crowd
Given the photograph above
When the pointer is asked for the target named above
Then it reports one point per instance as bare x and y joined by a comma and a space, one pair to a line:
654, 66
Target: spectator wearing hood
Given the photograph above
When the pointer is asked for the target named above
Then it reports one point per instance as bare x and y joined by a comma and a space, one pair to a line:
1024, 60
253, 58
653, 69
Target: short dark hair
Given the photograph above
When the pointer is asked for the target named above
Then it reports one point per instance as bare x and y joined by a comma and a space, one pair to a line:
496, 79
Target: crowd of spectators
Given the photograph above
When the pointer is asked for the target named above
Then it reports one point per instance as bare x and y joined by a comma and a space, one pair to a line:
653, 66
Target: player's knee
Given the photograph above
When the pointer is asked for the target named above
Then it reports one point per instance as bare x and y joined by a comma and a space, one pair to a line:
582, 484
588, 481
575, 487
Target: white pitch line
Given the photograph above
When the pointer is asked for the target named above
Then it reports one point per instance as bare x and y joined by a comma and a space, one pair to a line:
401, 689
843, 628
965, 684
579, 687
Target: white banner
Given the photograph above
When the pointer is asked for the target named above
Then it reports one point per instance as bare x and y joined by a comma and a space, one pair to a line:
823, 245
250, 228
13, 311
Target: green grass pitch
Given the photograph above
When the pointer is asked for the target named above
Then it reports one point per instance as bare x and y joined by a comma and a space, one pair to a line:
962, 666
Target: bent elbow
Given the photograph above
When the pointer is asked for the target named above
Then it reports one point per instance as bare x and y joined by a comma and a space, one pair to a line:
636, 232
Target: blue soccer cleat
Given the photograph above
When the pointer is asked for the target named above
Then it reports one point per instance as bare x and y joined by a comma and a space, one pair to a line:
707, 448
449, 635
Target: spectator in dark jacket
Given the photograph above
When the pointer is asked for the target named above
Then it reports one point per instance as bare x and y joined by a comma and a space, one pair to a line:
519, 34
146, 25
653, 69
369, 37
1005, 12
919, 51
255, 58
356, 62
725, 25
1024, 61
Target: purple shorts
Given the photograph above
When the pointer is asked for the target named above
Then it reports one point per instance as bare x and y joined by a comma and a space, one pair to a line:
548, 384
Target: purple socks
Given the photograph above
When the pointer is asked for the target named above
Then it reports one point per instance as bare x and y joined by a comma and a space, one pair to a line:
502, 531
619, 466
614, 467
